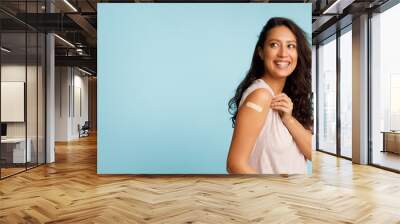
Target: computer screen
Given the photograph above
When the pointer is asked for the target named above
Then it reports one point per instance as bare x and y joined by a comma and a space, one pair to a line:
3, 129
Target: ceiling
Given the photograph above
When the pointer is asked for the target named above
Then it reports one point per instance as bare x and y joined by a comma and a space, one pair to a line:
76, 22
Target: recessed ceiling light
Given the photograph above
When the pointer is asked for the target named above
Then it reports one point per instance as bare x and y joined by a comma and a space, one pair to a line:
64, 40
5, 50
84, 71
337, 7
71, 6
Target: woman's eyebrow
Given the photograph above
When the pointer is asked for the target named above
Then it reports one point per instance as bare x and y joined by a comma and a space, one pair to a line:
288, 41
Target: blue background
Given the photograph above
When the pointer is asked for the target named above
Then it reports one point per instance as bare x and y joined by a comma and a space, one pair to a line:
165, 75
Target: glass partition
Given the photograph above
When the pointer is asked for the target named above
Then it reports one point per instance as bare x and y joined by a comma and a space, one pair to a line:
346, 93
41, 87
32, 95
22, 88
13, 108
385, 90
327, 96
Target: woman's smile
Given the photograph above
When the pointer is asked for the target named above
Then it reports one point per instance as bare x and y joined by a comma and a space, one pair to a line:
282, 64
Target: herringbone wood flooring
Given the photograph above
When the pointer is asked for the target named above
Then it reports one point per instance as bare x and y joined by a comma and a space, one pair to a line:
70, 191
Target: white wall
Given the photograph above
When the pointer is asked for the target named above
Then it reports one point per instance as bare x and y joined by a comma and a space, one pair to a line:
15, 72
33, 127
71, 94
81, 89
62, 81
9, 73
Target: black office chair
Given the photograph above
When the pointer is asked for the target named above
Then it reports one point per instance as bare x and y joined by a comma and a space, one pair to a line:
84, 130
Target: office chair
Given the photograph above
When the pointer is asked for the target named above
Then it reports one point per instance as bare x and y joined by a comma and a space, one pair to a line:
84, 130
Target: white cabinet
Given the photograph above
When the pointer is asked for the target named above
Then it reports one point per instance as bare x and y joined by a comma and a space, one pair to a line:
18, 149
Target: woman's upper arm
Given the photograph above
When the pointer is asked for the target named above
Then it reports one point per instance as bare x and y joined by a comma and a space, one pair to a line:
249, 122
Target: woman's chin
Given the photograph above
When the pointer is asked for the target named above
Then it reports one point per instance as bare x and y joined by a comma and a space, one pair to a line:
281, 74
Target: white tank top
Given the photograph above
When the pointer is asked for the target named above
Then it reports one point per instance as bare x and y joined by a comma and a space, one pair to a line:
275, 151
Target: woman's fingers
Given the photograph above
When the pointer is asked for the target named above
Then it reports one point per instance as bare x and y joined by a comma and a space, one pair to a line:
281, 97
281, 108
282, 100
280, 103
283, 104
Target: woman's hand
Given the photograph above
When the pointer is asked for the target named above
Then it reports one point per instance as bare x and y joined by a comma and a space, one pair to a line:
283, 104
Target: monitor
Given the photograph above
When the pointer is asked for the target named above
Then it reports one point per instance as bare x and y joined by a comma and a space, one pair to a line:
3, 129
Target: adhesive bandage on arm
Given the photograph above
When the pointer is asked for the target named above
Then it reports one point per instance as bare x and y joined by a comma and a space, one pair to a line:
254, 106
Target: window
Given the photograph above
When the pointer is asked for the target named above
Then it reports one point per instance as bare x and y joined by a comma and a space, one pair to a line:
327, 96
385, 89
346, 92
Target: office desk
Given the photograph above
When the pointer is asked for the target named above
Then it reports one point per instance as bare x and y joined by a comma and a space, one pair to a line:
15, 148
391, 141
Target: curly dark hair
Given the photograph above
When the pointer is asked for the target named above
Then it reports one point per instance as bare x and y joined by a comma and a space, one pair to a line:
297, 85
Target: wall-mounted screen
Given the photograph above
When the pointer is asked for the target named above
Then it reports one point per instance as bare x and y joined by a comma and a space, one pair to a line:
12, 101
166, 73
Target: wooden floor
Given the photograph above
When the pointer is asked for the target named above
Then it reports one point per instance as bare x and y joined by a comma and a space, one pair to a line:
387, 159
70, 191
5, 172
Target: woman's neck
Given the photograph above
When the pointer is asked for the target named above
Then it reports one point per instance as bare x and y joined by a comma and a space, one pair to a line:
276, 84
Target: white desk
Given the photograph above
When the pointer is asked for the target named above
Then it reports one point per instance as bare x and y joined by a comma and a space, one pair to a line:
18, 149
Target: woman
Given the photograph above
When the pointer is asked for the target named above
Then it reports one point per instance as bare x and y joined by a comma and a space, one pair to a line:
272, 113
